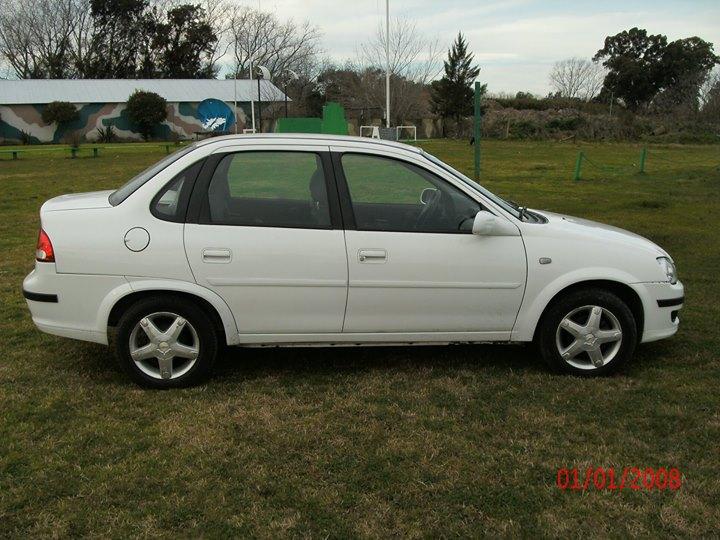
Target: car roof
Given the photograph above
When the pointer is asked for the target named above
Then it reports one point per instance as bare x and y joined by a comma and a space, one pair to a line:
344, 140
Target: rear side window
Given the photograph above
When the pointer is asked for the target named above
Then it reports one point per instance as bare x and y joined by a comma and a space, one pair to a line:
170, 204
269, 189
135, 183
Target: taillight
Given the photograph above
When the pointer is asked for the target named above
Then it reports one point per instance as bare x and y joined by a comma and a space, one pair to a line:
44, 251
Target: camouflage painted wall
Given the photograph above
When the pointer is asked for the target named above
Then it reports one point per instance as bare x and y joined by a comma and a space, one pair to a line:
181, 120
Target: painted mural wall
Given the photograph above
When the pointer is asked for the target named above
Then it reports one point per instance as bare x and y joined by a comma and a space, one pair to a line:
182, 122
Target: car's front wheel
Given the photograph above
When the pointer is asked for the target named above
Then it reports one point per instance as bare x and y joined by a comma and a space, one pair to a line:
587, 332
166, 342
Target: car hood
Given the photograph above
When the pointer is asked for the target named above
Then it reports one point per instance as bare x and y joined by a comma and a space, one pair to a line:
600, 232
78, 201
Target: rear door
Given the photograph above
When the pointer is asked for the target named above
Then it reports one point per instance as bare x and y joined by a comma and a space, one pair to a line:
264, 232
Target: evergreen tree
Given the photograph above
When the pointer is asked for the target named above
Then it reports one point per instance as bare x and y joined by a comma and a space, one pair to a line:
452, 96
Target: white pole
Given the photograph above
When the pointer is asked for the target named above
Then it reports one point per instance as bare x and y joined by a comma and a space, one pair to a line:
252, 97
387, 60
235, 91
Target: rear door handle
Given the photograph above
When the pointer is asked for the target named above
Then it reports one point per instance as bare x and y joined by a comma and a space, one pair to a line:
372, 255
216, 256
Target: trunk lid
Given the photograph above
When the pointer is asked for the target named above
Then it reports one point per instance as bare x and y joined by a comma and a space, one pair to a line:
78, 201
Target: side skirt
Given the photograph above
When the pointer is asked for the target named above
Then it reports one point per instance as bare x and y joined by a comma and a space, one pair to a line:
367, 339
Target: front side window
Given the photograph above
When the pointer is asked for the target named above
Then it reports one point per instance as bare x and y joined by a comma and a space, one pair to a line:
269, 189
392, 195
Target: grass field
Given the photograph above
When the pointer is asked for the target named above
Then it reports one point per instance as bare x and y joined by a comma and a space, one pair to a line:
412, 442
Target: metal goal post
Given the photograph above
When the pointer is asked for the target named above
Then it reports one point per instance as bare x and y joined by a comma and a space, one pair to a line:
399, 131
370, 131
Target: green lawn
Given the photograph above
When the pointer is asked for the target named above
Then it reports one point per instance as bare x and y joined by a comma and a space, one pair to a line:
419, 442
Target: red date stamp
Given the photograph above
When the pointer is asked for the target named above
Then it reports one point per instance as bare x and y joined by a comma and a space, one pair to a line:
607, 478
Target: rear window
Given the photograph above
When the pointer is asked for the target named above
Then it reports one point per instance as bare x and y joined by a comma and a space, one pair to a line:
135, 183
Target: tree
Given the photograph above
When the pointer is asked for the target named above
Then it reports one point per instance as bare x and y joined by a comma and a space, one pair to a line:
119, 36
60, 112
577, 78
182, 45
452, 96
279, 46
146, 110
36, 37
414, 61
641, 65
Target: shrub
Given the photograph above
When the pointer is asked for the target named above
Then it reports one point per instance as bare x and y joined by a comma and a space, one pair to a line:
146, 110
60, 112
106, 134
568, 123
26, 138
74, 139
525, 129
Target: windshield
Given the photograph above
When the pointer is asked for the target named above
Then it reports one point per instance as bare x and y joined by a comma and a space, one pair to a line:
132, 185
505, 205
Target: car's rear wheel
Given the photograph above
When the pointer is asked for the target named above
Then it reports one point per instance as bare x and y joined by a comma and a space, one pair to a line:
166, 342
587, 333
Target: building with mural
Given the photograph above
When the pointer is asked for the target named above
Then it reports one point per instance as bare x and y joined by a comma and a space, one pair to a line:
193, 106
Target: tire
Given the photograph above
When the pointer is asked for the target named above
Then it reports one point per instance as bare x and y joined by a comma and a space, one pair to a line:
571, 342
166, 342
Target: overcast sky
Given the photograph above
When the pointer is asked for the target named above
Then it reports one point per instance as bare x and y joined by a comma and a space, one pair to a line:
515, 41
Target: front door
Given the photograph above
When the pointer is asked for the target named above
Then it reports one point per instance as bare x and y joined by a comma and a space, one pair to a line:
268, 240
414, 264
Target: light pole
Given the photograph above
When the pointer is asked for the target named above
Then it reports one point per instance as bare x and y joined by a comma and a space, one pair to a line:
263, 73
290, 74
235, 96
387, 66
252, 98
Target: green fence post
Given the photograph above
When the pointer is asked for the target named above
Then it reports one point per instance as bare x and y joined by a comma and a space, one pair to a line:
643, 156
578, 165
476, 131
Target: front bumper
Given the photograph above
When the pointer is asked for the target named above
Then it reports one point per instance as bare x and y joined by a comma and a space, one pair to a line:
661, 304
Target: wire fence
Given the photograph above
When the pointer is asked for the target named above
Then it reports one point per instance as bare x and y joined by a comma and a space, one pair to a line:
637, 167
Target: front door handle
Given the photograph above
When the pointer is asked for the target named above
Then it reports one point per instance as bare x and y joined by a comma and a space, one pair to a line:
372, 255
216, 256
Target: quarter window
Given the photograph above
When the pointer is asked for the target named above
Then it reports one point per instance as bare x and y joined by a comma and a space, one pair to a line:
269, 189
392, 195
171, 202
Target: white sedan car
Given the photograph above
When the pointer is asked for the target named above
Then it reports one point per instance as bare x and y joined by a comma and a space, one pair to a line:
293, 240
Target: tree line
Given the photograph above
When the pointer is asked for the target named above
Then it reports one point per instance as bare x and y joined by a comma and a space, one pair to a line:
635, 70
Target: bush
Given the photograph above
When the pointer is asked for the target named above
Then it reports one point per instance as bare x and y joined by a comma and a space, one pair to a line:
146, 110
106, 134
569, 123
74, 139
60, 112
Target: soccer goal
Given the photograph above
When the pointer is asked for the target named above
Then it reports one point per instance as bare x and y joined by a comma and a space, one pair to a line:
406, 133
370, 131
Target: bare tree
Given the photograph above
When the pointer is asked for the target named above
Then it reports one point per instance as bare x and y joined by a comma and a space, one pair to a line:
414, 62
577, 78
36, 36
710, 97
412, 56
262, 38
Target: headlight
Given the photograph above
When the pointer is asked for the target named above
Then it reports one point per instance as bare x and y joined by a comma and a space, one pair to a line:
669, 268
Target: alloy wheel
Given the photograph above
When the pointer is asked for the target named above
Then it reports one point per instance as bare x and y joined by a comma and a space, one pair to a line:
588, 337
164, 345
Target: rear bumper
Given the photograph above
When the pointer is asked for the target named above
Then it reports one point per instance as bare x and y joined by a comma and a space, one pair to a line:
68, 305
661, 304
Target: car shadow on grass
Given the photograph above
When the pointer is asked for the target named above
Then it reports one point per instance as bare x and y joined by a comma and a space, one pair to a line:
301, 361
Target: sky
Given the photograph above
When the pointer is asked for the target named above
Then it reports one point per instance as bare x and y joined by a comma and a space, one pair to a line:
515, 41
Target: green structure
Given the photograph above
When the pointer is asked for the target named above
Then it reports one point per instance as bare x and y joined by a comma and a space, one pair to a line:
332, 122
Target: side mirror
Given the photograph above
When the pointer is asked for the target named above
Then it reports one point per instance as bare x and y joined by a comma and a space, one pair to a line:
428, 195
487, 224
